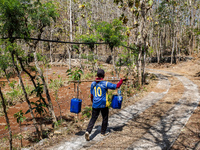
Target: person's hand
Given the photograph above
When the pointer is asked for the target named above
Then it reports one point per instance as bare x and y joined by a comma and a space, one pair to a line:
124, 79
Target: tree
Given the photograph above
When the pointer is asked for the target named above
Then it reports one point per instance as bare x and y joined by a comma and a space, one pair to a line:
5, 64
20, 118
7, 119
40, 18
91, 39
112, 34
140, 9
75, 75
12, 24
30, 20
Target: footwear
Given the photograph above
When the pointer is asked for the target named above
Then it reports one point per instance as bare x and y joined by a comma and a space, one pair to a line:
105, 134
87, 136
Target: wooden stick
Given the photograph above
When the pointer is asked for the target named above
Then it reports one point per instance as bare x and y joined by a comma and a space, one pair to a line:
74, 81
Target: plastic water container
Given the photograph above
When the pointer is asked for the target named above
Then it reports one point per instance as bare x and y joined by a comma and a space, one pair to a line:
119, 92
75, 106
116, 102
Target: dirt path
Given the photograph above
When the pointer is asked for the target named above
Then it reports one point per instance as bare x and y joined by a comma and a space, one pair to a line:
154, 122
166, 131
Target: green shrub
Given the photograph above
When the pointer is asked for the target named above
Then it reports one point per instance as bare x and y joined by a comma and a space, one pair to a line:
74, 75
87, 112
15, 95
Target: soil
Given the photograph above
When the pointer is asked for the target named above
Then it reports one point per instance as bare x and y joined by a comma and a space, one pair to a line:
188, 139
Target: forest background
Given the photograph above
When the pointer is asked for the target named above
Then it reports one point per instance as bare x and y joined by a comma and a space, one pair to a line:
38, 34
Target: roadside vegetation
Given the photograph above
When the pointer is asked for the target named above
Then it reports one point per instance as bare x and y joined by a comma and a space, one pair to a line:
126, 34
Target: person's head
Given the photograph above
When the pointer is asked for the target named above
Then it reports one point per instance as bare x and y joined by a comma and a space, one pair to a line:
100, 73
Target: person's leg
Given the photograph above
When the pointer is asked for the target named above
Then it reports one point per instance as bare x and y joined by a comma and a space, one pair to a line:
104, 113
95, 114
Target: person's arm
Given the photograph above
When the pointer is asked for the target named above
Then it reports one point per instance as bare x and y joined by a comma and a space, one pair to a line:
91, 89
119, 83
114, 86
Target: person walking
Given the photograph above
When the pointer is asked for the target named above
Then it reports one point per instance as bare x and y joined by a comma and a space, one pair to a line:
99, 98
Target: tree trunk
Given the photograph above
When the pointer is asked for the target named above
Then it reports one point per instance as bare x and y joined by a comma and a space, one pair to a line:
25, 94
157, 50
6, 76
7, 119
172, 54
164, 39
192, 15
142, 40
143, 66
198, 46
80, 59
69, 53
32, 78
51, 46
113, 55
21, 133
56, 94
161, 47
70, 49
45, 89
140, 66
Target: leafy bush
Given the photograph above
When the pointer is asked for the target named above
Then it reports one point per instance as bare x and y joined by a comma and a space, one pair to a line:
75, 75
15, 95
56, 83
39, 108
87, 112
12, 84
19, 116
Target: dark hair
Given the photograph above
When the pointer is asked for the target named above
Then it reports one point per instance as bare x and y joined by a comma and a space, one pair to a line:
100, 73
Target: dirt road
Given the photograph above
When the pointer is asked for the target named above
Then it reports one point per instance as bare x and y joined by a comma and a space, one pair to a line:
154, 122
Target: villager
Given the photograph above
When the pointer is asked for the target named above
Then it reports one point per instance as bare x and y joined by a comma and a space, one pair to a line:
100, 102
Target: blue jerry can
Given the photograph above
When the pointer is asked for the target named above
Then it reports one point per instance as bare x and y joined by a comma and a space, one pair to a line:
75, 106
116, 102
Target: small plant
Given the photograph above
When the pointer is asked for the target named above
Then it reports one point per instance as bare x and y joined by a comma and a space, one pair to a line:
87, 112
58, 123
112, 73
83, 56
75, 75
12, 84
39, 105
39, 90
55, 85
20, 118
28, 89
128, 92
145, 89
123, 89
39, 108
15, 95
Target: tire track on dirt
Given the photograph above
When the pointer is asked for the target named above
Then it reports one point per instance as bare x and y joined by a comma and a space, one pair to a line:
165, 133
120, 119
